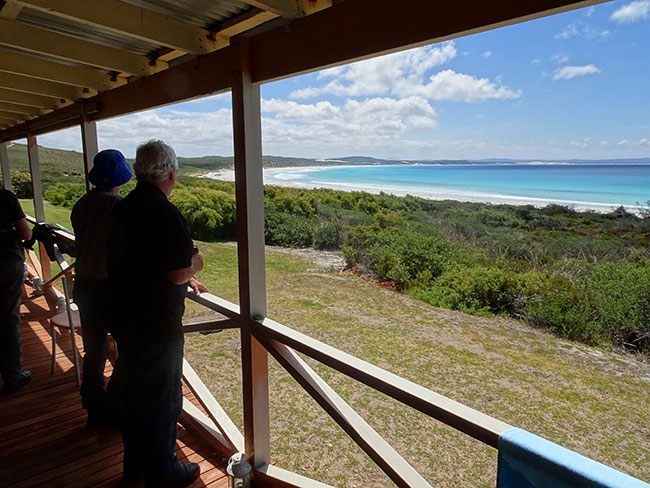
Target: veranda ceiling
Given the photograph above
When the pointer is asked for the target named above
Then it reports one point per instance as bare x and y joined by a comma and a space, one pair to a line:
64, 61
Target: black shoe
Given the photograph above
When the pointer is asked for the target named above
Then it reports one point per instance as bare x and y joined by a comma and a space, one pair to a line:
23, 378
184, 475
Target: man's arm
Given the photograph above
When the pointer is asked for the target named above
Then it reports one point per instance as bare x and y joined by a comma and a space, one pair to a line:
23, 232
183, 275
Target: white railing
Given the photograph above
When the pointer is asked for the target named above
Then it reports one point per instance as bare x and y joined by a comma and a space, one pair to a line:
283, 343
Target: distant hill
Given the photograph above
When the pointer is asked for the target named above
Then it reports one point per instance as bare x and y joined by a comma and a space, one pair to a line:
60, 165
210, 163
55, 164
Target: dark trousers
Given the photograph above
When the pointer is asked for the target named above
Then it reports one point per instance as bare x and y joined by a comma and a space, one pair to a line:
12, 276
151, 405
96, 314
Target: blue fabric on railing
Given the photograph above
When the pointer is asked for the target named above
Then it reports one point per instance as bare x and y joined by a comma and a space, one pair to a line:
528, 461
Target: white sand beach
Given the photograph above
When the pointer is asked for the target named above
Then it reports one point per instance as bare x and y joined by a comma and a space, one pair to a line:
287, 177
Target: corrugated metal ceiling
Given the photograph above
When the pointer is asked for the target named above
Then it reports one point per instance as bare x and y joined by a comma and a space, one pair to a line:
115, 49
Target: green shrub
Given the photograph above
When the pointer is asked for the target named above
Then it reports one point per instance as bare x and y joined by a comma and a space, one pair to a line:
287, 230
329, 236
478, 290
210, 214
622, 296
555, 302
396, 254
21, 184
65, 194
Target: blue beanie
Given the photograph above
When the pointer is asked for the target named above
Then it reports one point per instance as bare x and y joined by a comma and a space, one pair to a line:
110, 169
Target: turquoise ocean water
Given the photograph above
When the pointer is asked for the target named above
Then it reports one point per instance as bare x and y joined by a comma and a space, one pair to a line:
585, 186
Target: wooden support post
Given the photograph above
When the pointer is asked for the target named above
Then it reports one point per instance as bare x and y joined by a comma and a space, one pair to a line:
4, 162
39, 209
249, 187
90, 147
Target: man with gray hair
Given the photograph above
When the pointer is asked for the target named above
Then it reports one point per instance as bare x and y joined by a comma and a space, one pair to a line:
150, 264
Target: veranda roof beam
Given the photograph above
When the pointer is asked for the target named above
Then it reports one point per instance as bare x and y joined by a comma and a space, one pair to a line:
19, 109
247, 20
10, 10
133, 21
61, 46
41, 87
13, 116
8, 120
31, 100
291, 9
12, 62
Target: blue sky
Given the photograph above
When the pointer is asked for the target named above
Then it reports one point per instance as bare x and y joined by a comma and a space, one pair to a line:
574, 85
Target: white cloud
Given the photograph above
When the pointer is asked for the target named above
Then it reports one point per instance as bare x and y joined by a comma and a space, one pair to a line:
560, 58
569, 72
331, 72
642, 143
592, 33
449, 85
583, 144
292, 111
580, 27
401, 75
377, 76
190, 133
415, 111
568, 32
632, 12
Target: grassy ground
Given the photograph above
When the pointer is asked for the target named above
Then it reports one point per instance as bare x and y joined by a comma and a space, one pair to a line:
589, 400
593, 401
53, 214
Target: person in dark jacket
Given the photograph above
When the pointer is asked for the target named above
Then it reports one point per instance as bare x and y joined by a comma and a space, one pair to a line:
13, 230
90, 219
151, 263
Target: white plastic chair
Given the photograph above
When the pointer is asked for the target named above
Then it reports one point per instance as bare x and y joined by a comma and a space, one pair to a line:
68, 318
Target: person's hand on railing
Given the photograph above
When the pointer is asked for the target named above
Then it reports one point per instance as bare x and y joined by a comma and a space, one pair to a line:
197, 286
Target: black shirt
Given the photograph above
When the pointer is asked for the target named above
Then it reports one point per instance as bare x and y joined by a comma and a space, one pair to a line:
10, 212
148, 238
90, 219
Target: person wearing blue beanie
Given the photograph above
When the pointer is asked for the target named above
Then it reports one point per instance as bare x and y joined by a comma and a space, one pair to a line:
90, 219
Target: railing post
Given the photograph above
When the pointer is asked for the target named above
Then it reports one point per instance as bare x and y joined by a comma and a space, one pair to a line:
249, 187
90, 147
39, 209
4, 162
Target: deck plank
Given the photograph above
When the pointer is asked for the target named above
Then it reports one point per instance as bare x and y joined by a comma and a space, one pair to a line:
44, 440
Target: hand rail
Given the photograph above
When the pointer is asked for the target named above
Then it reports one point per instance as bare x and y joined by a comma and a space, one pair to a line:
66, 236
461, 417
281, 341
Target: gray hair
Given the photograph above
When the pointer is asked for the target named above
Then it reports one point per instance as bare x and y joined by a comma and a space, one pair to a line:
154, 160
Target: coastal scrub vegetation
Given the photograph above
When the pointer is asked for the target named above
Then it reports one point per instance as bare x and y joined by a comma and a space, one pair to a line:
583, 275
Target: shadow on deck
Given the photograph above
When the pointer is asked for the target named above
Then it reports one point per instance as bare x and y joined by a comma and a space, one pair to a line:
44, 440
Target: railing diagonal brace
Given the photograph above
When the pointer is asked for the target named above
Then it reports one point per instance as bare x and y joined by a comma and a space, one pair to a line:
394, 465
212, 407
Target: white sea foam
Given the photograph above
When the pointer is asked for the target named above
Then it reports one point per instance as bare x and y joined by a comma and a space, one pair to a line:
290, 177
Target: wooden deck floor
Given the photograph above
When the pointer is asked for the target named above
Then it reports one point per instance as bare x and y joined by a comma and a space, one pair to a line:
44, 441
